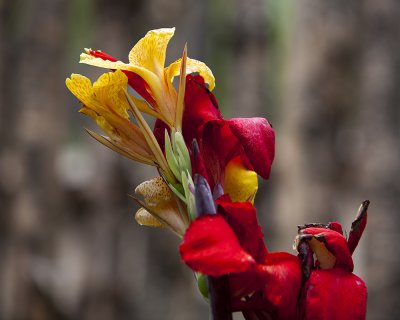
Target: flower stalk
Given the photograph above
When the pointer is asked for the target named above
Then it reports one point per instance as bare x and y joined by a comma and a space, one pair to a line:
218, 287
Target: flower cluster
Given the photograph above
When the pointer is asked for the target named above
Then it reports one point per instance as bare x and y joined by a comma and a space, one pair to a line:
207, 183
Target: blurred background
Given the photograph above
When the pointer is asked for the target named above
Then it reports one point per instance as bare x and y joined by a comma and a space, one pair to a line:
325, 73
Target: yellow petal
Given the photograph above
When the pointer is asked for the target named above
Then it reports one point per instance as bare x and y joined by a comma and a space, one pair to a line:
150, 51
81, 87
105, 102
108, 89
148, 76
161, 203
325, 258
240, 183
192, 66
145, 218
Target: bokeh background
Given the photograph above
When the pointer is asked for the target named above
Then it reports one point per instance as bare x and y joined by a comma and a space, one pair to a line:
325, 73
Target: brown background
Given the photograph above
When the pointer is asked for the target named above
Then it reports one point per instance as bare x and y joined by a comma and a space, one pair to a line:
326, 73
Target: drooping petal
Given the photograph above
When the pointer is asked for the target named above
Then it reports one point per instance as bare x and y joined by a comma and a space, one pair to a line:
240, 183
242, 218
333, 294
211, 247
258, 140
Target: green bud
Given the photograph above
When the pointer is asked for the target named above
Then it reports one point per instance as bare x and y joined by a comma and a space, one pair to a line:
202, 284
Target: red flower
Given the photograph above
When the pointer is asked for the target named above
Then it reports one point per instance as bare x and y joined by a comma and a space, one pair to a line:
332, 291
267, 285
231, 242
220, 140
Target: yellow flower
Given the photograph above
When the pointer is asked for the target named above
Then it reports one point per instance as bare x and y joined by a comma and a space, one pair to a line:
147, 61
105, 102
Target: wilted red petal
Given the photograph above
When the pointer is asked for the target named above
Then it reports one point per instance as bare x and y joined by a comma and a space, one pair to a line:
135, 81
258, 140
358, 226
242, 217
333, 294
211, 247
336, 244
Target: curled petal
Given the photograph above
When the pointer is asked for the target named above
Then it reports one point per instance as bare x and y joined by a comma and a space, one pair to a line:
211, 247
258, 140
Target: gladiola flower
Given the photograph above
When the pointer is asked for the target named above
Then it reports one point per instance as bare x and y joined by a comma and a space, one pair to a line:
331, 290
148, 75
231, 243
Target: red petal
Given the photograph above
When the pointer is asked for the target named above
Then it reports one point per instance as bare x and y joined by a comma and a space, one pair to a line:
102, 55
242, 217
258, 140
283, 278
200, 107
358, 226
135, 81
279, 279
336, 244
334, 294
218, 145
211, 247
